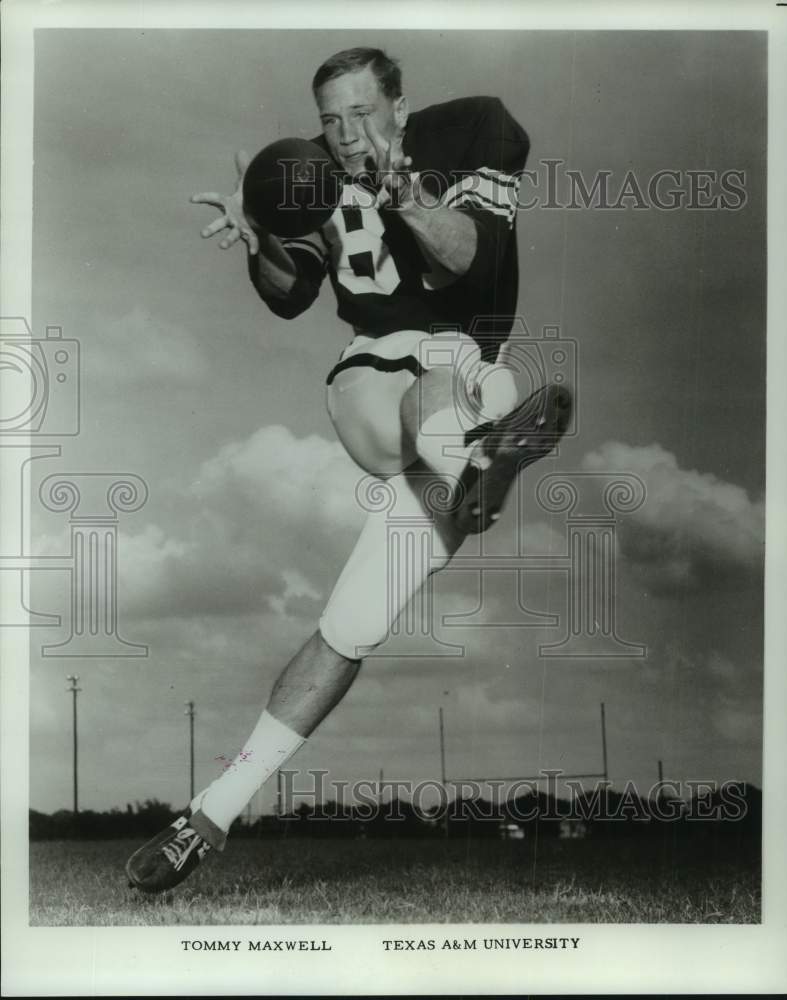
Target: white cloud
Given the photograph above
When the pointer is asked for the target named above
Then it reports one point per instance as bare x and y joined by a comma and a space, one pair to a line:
266, 527
302, 481
693, 529
296, 588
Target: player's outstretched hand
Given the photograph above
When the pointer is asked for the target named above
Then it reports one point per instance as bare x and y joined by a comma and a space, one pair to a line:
231, 207
396, 181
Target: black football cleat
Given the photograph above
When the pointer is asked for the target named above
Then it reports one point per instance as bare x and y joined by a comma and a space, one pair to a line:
167, 859
528, 433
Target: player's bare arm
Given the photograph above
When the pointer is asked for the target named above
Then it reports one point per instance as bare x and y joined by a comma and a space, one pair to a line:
272, 267
449, 236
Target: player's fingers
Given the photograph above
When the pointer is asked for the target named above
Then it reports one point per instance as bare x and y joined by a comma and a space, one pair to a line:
242, 161
251, 241
231, 238
215, 227
381, 146
208, 198
396, 153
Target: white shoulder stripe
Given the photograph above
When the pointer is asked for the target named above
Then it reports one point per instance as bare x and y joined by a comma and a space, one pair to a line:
311, 244
497, 191
509, 180
474, 201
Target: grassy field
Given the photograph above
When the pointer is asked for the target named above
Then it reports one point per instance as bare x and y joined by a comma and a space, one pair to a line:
299, 880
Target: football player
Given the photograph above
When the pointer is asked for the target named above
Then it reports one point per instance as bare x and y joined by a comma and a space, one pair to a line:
421, 254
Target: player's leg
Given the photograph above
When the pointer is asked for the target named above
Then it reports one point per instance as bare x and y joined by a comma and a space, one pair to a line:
449, 396
401, 544
356, 618
371, 417
440, 412
467, 422
406, 537
365, 602
453, 399
443, 391
308, 688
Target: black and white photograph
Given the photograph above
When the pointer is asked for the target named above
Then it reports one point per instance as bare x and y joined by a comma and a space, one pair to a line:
391, 591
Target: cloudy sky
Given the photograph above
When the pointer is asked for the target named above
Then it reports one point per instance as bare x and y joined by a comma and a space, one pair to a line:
191, 384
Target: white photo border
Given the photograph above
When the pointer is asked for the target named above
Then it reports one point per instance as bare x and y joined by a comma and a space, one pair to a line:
147, 961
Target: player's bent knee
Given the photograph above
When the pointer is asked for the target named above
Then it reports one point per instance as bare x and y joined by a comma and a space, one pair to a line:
359, 614
344, 644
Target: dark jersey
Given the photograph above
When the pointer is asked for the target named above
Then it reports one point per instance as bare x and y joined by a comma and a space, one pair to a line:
469, 153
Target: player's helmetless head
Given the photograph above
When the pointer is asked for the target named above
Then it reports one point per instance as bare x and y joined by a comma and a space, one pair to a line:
350, 87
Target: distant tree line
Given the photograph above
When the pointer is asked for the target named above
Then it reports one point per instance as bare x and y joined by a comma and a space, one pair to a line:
600, 814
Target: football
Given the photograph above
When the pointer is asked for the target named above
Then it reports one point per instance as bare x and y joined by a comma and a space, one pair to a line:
291, 187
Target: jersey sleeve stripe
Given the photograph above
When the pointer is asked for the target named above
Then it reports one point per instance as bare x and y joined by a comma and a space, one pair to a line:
308, 246
473, 198
507, 180
485, 204
489, 189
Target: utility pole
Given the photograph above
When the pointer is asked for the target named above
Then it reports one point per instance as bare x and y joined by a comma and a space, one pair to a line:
75, 691
190, 713
442, 772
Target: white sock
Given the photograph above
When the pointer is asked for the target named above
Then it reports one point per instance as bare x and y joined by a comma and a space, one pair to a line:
270, 745
497, 389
